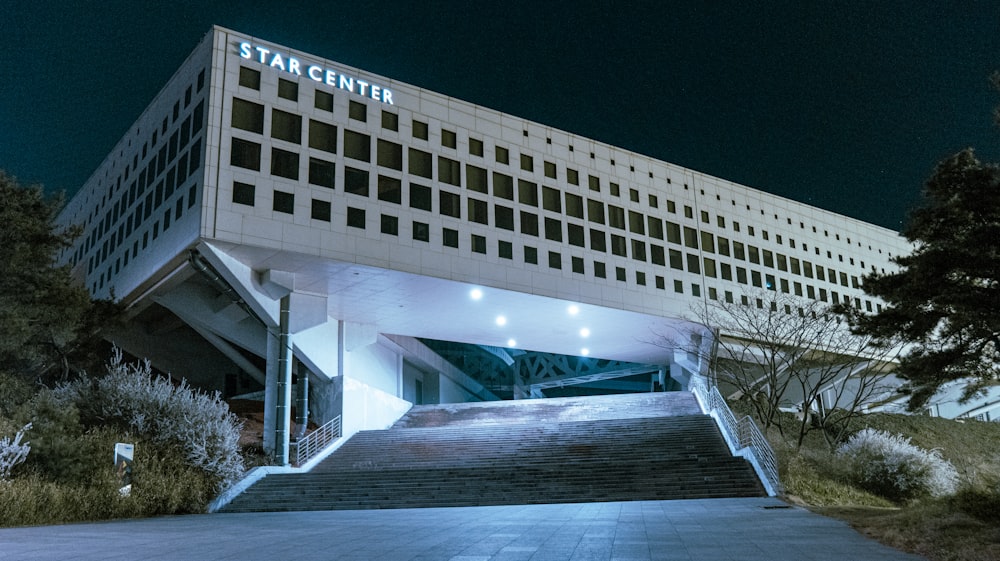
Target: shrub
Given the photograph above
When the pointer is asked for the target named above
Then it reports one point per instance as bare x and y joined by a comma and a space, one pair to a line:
55, 435
200, 424
13, 452
163, 483
981, 500
890, 466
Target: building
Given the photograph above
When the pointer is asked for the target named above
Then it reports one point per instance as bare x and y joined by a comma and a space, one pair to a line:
275, 216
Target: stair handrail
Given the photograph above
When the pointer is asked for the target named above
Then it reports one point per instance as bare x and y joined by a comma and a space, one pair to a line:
743, 435
316, 441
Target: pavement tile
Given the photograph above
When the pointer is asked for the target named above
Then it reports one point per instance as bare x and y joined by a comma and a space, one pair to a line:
691, 530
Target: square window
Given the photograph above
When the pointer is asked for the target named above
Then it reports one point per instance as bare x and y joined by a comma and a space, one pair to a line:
478, 211
502, 155
505, 249
321, 210
574, 205
527, 163
389, 154
475, 147
286, 126
356, 181
503, 186
284, 163
322, 136
390, 121
356, 217
475, 178
421, 163
595, 184
620, 273
660, 282
243, 193
288, 89
550, 170
420, 197
529, 223
250, 78
448, 139
321, 173
357, 111
323, 100
527, 192
450, 237
633, 195
284, 202
478, 244
531, 255
357, 146
553, 229
577, 264
245, 154
420, 130
390, 225
555, 260
421, 232
390, 189
504, 217
449, 171
450, 204
679, 287
640, 278
247, 116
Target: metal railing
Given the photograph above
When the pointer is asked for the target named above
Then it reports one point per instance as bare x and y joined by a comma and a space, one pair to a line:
743, 434
316, 441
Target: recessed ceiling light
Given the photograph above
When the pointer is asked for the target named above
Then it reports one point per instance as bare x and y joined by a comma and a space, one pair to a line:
584, 352
501, 320
511, 343
573, 310
584, 332
475, 294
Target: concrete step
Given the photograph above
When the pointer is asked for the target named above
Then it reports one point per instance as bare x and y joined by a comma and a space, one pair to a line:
613, 448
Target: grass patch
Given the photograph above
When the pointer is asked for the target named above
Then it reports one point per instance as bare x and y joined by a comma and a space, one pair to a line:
963, 527
933, 529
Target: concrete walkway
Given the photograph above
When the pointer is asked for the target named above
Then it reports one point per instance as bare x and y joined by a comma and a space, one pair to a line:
763, 529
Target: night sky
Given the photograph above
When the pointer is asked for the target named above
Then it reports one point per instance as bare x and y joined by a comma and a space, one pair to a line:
843, 105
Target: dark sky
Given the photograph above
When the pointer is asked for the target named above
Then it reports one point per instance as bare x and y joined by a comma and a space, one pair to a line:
842, 105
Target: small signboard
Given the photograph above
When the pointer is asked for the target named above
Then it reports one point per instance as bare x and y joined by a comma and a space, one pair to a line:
123, 466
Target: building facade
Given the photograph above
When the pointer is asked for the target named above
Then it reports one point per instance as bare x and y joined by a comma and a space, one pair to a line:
273, 215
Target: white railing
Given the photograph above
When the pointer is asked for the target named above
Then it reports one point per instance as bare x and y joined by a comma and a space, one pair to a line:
743, 435
316, 441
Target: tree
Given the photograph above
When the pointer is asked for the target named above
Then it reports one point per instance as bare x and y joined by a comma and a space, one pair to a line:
778, 352
45, 316
945, 297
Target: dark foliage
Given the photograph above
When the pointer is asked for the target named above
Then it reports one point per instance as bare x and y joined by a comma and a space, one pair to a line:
48, 324
945, 298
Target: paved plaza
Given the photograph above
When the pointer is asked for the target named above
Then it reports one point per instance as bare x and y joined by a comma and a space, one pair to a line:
763, 529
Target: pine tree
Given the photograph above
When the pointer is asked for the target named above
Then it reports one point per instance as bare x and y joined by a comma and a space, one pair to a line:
44, 314
945, 297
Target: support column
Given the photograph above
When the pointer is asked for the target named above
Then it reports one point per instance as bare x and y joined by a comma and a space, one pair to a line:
283, 405
272, 373
302, 401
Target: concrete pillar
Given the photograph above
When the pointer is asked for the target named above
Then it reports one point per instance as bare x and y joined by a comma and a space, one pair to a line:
283, 404
302, 401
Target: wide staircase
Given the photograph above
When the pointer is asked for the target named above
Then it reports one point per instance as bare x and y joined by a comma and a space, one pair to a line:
608, 448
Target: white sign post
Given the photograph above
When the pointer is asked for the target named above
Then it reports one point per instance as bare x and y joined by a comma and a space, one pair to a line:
123, 465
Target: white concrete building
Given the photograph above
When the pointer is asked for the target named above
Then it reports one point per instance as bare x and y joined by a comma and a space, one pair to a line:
381, 216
